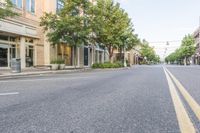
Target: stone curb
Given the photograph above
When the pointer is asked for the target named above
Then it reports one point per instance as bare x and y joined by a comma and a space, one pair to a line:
25, 74
18, 75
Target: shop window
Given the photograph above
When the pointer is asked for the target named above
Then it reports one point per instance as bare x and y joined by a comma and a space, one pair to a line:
29, 56
65, 52
30, 6
17, 3
3, 57
29, 40
2, 37
13, 51
12, 39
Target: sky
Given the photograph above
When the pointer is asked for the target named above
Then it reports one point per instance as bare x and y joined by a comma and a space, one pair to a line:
159, 21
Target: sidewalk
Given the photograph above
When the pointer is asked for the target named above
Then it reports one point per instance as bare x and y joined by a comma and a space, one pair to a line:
7, 73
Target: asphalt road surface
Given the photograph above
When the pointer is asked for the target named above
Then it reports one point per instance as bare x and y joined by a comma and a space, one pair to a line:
143, 99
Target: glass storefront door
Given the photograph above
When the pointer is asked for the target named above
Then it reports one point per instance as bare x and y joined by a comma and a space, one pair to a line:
86, 58
3, 57
29, 56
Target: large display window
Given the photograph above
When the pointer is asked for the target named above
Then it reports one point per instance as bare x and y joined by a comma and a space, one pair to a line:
65, 52
3, 56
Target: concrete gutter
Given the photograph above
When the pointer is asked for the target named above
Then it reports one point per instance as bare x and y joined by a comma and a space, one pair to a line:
42, 73
39, 73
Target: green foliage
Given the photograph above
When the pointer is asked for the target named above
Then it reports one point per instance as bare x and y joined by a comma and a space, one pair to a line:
58, 61
54, 62
149, 54
6, 10
186, 50
68, 26
107, 65
80, 22
111, 26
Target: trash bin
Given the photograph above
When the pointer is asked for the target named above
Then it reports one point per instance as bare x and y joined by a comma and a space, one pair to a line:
16, 65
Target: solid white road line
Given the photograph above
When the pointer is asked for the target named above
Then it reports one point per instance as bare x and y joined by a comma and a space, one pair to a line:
7, 94
185, 124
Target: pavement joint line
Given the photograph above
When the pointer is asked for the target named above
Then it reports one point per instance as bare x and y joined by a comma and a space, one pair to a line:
10, 93
184, 121
190, 100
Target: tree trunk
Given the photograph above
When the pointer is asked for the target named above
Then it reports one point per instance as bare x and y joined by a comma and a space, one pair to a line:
185, 61
75, 58
120, 52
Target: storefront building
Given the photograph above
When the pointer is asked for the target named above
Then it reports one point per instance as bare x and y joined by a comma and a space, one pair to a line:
22, 37
132, 56
196, 57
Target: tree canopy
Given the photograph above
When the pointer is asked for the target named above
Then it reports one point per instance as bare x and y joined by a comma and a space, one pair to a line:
182, 54
69, 24
112, 26
148, 53
6, 10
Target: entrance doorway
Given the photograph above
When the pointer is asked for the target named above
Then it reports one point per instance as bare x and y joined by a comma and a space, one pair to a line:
29, 56
86, 57
3, 57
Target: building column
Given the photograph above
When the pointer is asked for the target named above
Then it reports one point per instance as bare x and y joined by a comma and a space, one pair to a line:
47, 50
35, 53
23, 52
93, 55
98, 56
103, 57
78, 56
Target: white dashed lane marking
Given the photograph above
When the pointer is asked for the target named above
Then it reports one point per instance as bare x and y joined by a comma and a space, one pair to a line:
10, 93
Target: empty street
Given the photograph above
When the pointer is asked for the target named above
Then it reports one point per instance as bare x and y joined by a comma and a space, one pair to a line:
143, 99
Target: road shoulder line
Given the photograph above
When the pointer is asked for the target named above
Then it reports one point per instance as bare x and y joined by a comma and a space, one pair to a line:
185, 124
190, 100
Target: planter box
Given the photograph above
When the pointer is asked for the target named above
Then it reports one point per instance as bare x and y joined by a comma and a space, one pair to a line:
62, 66
54, 66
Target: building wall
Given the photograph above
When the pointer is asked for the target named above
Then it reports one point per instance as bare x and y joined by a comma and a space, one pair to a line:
196, 56
27, 25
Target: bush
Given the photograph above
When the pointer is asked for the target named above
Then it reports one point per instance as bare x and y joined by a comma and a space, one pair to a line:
58, 61
61, 61
54, 62
107, 65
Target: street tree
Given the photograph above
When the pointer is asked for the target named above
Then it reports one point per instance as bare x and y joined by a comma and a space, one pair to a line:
111, 26
182, 54
148, 53
69, 26
187, 47
6, 9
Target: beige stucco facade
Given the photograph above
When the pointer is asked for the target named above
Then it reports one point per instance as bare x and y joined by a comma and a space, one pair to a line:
132, 56
27, 34
26, 40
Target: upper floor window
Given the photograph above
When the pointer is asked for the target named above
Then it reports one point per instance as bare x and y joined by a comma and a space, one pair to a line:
17, 3
60, 5
30, 6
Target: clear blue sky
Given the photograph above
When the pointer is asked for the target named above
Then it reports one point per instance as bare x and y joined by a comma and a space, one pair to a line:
163, 20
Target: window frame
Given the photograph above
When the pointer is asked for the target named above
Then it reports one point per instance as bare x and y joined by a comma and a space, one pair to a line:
16, 3
29, 8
